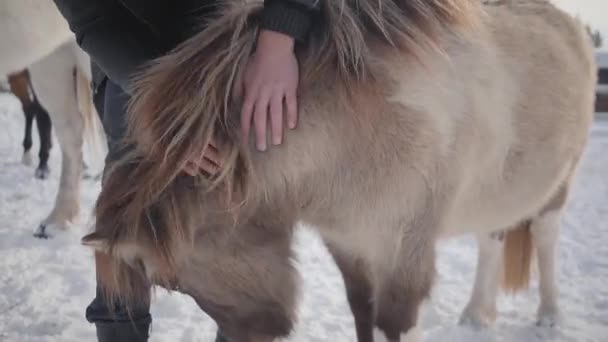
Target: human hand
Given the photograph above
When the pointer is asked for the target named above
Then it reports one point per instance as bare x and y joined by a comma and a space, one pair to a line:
209, 161
269, 86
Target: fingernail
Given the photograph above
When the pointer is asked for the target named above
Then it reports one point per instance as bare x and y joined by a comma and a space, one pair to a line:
292, 125
276, 140
262, 147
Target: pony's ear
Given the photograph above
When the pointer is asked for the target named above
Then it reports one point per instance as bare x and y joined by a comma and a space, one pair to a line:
125, 250
98, 242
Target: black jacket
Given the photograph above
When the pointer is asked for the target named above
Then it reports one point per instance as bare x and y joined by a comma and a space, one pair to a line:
120, 35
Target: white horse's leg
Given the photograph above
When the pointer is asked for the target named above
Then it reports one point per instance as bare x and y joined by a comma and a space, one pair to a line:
545, 230
481, 309
53, 81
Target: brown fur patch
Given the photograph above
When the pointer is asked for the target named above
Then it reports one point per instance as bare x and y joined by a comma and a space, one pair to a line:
20, 86
518, 252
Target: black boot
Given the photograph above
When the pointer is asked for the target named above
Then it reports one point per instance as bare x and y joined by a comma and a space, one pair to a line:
122, 332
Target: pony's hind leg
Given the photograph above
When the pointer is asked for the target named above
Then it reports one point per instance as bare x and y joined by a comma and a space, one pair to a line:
355, 273
19, 85
481, 309
43, 122
30, 112
545, 232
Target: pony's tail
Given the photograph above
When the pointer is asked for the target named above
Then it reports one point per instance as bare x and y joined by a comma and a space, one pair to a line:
518, 252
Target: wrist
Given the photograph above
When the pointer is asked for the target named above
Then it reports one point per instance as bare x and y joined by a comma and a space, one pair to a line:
274, 41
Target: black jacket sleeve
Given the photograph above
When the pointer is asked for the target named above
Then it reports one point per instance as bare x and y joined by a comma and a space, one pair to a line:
291, 17
119, 42
114, 39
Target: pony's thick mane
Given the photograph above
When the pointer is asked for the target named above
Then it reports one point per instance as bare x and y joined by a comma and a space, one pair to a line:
184, 99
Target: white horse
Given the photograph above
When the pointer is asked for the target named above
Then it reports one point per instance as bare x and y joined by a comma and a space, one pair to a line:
34, 35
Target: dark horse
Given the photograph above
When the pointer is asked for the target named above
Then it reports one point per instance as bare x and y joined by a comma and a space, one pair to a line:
21, 86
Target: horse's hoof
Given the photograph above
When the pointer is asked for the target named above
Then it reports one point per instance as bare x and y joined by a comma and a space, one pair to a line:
27, 159
42, 173
414, 335
548, 318
41, 232
473, 321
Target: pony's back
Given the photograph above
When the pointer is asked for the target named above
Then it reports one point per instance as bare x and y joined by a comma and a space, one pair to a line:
525, 83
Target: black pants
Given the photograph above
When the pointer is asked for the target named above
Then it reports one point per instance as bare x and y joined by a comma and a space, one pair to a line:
117, 325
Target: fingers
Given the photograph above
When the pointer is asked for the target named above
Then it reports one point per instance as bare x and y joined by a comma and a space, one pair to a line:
276, 118
260, 119
212, 153
191, 169
247, 115
238, 87
210, 161
264, 105
194, 168
291, 103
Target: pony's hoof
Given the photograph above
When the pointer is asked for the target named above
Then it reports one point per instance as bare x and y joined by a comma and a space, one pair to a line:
42, 173
474, 321
27, 159
414, 335
41, 232
548, 318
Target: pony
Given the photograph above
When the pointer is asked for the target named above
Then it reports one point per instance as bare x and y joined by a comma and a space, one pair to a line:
35, 36
21, 86
419, 121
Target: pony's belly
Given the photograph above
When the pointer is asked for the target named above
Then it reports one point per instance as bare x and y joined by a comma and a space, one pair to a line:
490, 208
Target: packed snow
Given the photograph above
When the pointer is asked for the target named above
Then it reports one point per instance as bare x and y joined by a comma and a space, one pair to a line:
45, 285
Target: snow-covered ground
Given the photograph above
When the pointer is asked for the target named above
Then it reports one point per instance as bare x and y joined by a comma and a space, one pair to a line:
45, 285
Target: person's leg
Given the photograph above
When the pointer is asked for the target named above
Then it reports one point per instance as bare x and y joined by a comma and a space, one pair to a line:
117, 325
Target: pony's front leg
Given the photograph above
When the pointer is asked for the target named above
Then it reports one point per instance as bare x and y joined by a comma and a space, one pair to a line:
246, 283
481, 309
403, 280
359, 292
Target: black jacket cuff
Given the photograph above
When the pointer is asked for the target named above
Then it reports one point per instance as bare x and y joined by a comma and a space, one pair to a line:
286, 17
